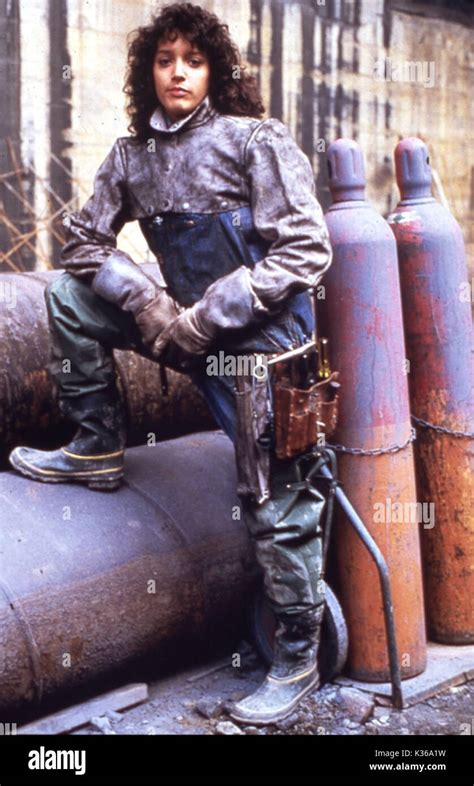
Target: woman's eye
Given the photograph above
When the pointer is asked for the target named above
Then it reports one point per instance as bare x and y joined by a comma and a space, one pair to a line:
165, 61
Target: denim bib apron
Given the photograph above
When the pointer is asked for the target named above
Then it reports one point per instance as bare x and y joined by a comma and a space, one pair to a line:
196, 249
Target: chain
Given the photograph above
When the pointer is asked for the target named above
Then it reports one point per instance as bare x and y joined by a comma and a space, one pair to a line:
374, 451
411, 438
443, 429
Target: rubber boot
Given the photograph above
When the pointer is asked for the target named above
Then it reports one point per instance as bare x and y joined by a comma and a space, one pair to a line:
287, 534
94, 455
294, 672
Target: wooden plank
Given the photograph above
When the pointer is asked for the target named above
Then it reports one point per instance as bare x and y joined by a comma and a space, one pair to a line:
80, 714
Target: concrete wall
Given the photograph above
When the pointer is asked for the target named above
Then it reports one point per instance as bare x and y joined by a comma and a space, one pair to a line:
321, 70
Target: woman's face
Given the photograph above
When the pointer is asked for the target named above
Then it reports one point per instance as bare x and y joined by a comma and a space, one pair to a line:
181, 75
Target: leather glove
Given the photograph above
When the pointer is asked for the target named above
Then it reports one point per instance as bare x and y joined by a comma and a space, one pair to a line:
185, 333
228, 304
120, 281
181, 345
156, 316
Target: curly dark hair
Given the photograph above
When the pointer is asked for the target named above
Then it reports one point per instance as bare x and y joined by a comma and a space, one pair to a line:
229, 95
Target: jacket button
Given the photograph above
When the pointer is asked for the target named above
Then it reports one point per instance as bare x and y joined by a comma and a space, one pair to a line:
186, 205
166, 203
224, 204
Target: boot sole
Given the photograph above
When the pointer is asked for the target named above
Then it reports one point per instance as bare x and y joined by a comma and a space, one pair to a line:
103, 484
278, 716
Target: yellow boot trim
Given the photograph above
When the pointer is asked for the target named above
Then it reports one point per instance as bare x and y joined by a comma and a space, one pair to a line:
103, 457
86, 473
288, 680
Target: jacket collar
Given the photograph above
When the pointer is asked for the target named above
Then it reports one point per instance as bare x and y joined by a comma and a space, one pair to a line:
159, 120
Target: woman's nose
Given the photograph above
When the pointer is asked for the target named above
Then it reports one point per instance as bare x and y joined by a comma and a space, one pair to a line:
179, 71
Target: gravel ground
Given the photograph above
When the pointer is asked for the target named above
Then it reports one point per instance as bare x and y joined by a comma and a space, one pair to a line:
194, 702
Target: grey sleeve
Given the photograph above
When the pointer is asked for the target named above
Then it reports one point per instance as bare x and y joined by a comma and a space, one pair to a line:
286, 213
92, 232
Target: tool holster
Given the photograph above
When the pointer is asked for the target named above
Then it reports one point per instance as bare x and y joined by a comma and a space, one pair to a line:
285, 411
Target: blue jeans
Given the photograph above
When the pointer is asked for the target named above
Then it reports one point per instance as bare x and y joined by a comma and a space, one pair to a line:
219, 392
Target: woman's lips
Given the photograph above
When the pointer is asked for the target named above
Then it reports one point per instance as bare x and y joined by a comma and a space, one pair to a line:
177, 92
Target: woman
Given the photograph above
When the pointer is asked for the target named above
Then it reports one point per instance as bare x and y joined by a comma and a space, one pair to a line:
226, 201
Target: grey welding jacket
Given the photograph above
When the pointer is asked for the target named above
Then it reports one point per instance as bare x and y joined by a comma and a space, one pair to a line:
210, 163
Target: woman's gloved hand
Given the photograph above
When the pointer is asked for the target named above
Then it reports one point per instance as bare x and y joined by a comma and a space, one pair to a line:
179, 345
185, 333
120, 281
228, 304
156, 316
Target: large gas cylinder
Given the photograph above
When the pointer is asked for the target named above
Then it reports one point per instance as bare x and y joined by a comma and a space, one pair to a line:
362, 317
90, 581
29, 411
438, 329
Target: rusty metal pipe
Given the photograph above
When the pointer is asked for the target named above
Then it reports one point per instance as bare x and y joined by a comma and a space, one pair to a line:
361, 314
89, 581
438, 328
29, 411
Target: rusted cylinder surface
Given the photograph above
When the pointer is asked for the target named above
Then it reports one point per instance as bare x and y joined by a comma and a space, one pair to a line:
361, 314
28, 400
436, 297
90, 580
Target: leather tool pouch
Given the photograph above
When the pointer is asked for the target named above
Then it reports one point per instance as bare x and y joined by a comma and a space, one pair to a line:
302, 416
